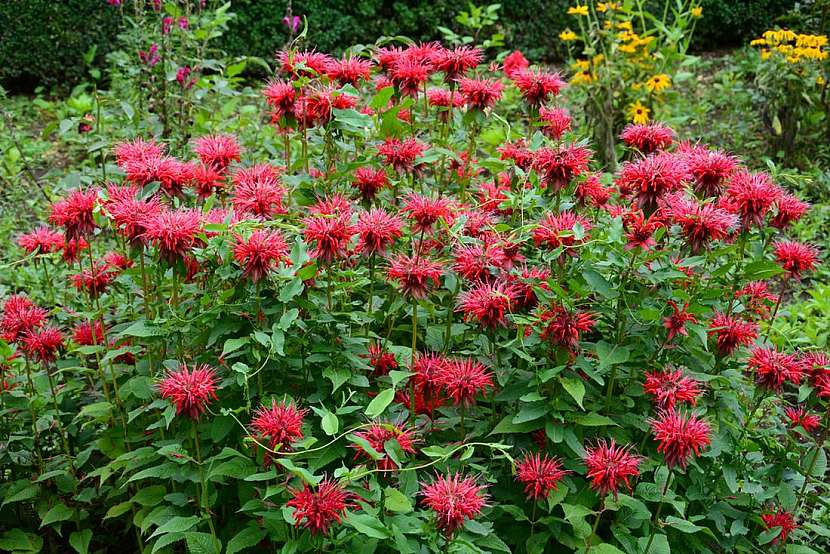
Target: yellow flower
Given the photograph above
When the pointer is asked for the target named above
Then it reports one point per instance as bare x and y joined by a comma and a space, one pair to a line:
629, 48
625, 25
607, 6
765, 54
820, 81
578, 10
581, 65
658, 83
567, 35
582, 77
637, 113
758, 42
697, 11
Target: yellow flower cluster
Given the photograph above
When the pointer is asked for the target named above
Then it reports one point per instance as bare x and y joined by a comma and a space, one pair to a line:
638, 113
607, 6
582, 72
632, 41
568, 36
578, 10
791, 46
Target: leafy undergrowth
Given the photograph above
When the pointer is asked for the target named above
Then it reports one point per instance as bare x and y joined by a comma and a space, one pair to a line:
420, 322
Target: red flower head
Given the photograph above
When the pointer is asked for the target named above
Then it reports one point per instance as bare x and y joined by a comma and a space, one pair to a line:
795, 258
559, 165
350, 71
555, 230
378, 435
592, 192
789, 209
780, 518
42, 344
651, 178
799, 416
700, 223
331, 235
401, 155
217, 151
41, 241
257, 191
20, 316
388, 56
648, 138
817, 366
756, 297
563, 327
773, 368
174, 233
709, 169
206, 180
492, 195
74, 213
316, 509
669, 388
441, 98
455, 62
514, 63
304, 64
676, 322
261, 253
117, 260
518, 153
454, 499
487, 303
524, 286
382, 362
750, 196
409, 75
426, 211
539, 474
369, 181
377, 231
555, 122
278, 425
333, 205
414, 275
137, 150
280, 96
537, 87
190, 389
73, 248
82, 334
426, 368
639, 229
610, 466
94, 280
474, 262
680, 435
732, 332
464, 379
480, 94
129, 213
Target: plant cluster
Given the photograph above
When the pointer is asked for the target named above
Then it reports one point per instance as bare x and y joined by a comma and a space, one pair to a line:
405, 309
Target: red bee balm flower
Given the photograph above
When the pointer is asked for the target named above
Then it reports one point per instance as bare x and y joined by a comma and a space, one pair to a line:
537, 86
563, 327
487, 303
480, 94
455, 62
414, 274
679, 436
20, 316
42, 344
732, 332
378, 435
559, 165
539, 474
773, 368
610, 466
377, 231
174, 233
41, 241
401, 155
82, 334
669, 388
454, 499
555, 122
648, 138
782, 519
799, 416
260, 253
257, 190
555, 230
382, 362
462, 380
279, 425
709, 170
217, 151
331, 235
350, 71
191, 390
95, 280
316, 509
369, 181
74, 213
750, 196
795, 258
790, 209
514, 63
676, 322
426, 211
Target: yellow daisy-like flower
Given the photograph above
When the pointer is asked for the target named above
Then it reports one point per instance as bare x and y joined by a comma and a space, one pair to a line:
638, 114
607, 6
578, 10
625, 26
581, 65
658, 83
567, 35
765, 54
820, 81
697, 11
582, 77
629, 48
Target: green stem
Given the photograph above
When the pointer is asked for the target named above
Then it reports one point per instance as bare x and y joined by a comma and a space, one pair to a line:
657, 513
203, 498
412, 413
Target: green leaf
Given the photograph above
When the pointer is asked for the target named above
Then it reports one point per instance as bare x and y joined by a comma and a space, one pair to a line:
395, 501
235, 69
202, 543
79, 540
593, 419
599, 284
19, 491
606, 548
379, 403
368, 525
330, 424
575, 387
142, 329
247, 538
118, 509
506, 426
96, 410
381, 99
150, 496
232, 345
300, 472
177, 524
59, 512
16, 540
659, 545
291, 290
683, 525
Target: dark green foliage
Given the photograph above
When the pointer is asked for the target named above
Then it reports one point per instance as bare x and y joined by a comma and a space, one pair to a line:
727, 24
42, 42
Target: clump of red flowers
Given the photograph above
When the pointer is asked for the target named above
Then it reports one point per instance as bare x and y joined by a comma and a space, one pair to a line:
611, 466
190, 389
454, 499
539, 474
680, 436
780, 518
260, 253
278, 425
669, 388
318, 508
378, 435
